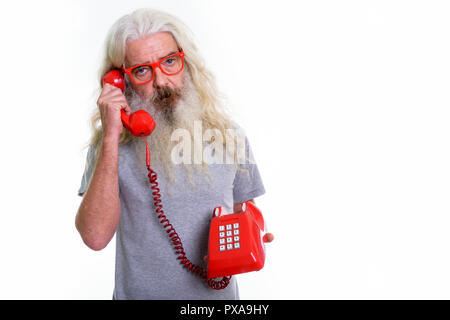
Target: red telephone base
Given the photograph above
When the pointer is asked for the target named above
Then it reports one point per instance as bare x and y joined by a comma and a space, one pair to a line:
236, 243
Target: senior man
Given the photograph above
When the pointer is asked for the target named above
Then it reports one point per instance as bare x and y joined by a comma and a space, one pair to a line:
166, 76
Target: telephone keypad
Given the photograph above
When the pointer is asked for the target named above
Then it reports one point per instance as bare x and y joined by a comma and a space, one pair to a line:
230, 232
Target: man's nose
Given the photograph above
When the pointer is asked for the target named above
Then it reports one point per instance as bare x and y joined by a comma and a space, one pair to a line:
161, 79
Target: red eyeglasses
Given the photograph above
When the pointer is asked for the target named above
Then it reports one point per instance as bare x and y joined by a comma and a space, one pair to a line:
144, 73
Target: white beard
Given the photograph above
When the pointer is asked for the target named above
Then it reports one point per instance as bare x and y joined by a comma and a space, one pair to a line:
187, 110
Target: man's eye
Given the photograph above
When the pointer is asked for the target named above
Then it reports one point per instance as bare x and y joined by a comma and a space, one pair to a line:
169, 61
141, 71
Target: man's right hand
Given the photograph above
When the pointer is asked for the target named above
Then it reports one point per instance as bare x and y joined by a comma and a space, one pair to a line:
99, 213
110, 102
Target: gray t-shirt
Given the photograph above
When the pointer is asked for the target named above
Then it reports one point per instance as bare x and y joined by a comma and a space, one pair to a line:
146, 266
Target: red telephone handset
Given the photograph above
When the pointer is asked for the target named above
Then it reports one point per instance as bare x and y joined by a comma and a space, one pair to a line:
236, 241
139, 123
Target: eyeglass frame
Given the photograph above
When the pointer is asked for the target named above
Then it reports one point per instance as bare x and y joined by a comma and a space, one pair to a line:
155, 65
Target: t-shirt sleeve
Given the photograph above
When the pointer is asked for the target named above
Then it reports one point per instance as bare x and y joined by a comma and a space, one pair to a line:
88, 171
247, 182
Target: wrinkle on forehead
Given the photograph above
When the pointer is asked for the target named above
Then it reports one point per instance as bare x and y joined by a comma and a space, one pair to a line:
150, 49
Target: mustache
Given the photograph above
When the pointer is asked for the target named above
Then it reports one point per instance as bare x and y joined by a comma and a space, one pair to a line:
166, 97
165, 100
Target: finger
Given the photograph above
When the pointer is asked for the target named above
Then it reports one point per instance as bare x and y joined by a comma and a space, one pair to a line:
116, 100
109, 89
268, 237
120, 106
107, 86
126, 108
110, 94
113, 94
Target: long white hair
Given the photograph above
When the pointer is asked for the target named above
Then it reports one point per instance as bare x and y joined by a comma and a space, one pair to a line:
142, 23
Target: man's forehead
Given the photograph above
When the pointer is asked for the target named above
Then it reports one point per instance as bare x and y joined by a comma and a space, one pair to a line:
151, 48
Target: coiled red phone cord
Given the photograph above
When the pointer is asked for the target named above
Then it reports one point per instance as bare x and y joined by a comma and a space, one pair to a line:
173, 235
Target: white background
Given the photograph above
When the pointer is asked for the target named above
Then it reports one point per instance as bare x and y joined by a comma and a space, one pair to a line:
346, 104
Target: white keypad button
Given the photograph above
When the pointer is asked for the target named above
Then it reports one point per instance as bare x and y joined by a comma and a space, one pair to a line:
229, 233
236, 225
222, 248
222, 241
228, 226
236, 232
221, 234
229, 246
221, 228
229, 240
236, 238
236, 245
